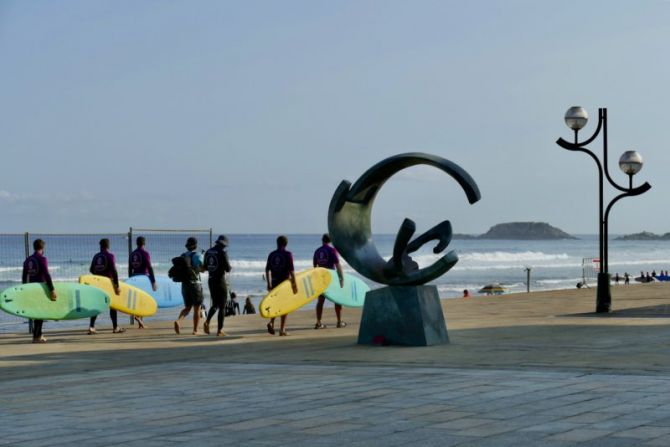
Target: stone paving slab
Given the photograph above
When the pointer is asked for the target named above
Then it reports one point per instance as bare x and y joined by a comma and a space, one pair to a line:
252, 404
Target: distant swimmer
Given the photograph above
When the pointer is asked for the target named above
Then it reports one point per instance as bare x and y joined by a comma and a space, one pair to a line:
104, 264
139, 263
36, 269
279, 268
216, 263
187, 272
326, 257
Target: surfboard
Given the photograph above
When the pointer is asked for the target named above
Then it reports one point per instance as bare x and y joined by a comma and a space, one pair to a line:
168, 293
644, 279
74, 301
131, 300
281, 300
663, 278
351, 295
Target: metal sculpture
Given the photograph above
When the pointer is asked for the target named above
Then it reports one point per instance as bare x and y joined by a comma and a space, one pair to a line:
350, 224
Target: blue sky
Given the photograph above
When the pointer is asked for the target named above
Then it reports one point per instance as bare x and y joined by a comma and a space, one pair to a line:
245, 116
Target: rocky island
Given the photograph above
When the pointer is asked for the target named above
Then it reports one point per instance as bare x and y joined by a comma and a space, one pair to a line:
520, 231
644, 236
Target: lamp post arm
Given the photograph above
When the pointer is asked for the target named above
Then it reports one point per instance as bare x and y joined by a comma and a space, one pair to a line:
629, 193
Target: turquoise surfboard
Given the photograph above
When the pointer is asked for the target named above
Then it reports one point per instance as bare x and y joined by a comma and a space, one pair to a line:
74, 301
351, 295
168, 293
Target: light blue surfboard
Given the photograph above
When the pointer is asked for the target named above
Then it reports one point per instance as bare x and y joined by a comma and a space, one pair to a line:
351, 295
168, 293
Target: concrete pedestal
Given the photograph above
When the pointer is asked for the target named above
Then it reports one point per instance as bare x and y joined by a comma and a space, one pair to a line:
403, 315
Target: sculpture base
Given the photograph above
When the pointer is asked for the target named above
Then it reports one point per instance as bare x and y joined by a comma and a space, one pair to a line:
403, 315
604, 293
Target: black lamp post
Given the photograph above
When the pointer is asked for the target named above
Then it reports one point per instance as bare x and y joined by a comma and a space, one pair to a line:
630, 163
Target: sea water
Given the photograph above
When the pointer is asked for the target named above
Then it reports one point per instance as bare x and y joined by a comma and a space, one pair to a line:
555, 264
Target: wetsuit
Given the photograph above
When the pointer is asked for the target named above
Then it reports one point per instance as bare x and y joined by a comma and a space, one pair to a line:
139, 263
36, 269
104, 264
216, 262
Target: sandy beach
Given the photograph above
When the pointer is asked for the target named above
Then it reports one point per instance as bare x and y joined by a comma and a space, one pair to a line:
536, 369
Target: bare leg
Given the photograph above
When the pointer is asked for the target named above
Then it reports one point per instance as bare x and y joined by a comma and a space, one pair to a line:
319, 311
338, 312
282, 328
196, 318
182, 315
271, 326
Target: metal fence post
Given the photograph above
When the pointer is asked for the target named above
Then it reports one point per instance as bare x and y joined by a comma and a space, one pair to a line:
210, 237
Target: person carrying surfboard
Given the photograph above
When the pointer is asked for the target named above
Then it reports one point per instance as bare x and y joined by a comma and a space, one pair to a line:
279, 268
191, 288
216, 263
139, 263
326, 257
104, 264
36, 269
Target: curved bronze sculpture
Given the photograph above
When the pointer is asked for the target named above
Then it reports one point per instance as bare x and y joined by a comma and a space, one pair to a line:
350, 226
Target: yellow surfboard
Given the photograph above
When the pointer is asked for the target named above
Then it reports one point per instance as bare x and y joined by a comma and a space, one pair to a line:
131, 300
281, 300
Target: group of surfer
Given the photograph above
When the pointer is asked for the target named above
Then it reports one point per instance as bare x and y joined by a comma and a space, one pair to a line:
644, 277
279, 268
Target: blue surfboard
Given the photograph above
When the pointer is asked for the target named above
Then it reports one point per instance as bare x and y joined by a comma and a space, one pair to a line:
351, 295
168, 293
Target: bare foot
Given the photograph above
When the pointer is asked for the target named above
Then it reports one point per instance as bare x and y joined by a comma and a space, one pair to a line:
196, 333
205, 327
39, 340
221, 334
271, 329
118, 330
283, 333
176, 327
92, 331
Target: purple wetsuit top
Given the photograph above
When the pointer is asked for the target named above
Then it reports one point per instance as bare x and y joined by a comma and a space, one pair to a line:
280, 265
139, 263
36, 269
104, 264
326, 257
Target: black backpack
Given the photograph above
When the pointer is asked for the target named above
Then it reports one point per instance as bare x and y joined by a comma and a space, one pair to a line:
182, 269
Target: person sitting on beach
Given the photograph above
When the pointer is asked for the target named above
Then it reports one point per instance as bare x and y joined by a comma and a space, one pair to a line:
279, 268
104, 264
216, 262
233, 307
466, 293
249, 306
326, 257
139, 263
191, 288
36, 269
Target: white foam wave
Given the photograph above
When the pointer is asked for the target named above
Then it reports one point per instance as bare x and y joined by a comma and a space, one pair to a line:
505, 256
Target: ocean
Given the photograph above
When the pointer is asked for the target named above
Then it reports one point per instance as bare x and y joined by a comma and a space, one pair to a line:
555, 264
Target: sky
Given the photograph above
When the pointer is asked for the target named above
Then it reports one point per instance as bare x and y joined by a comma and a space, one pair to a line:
245, 116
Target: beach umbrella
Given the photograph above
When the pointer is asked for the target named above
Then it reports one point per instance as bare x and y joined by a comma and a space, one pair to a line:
492, 289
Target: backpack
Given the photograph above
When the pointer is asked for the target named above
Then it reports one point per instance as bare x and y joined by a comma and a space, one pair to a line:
182, 269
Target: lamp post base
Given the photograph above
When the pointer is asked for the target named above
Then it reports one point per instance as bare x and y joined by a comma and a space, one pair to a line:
604, 294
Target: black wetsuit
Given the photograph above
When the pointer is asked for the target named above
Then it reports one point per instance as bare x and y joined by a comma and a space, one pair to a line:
216, 262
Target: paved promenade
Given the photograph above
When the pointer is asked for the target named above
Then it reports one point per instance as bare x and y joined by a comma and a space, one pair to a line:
527, 369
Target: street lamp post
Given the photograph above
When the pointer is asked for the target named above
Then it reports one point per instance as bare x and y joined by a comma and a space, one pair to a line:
630, 163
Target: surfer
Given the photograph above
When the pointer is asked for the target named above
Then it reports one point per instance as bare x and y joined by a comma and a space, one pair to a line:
191, 288
104, 264
36, 269
139, 263
216, 263
326, 257
278, 268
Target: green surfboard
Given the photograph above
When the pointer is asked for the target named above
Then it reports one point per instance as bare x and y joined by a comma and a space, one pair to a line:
351, 295
74, 301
